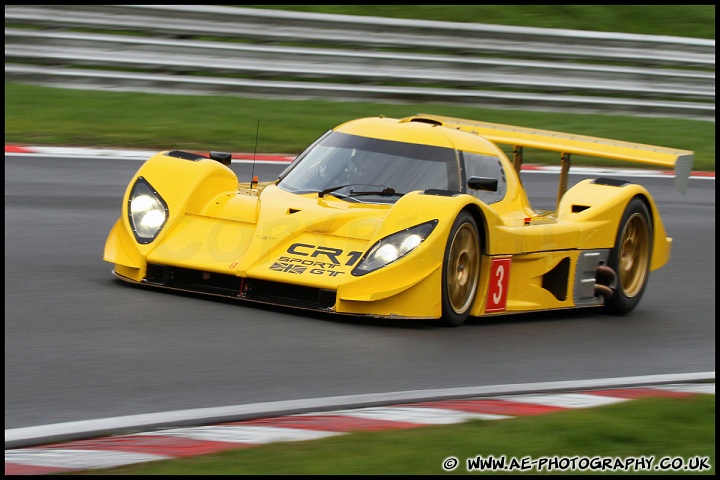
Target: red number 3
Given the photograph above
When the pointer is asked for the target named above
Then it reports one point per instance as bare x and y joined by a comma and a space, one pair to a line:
497, 290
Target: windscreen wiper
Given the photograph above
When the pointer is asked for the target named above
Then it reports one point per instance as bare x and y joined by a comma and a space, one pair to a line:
351, 193
384, 191
325, 191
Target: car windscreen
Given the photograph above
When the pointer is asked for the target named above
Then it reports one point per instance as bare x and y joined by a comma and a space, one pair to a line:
352, 166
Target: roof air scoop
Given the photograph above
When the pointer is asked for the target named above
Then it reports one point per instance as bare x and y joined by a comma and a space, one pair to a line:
430, 121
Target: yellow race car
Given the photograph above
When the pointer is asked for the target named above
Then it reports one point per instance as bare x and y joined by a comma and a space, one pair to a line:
423, 217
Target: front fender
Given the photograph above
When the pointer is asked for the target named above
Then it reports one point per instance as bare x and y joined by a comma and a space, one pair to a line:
421, 267
186, 186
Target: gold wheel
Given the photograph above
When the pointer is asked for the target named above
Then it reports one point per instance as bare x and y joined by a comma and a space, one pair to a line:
630, 258
462, 267
634, 255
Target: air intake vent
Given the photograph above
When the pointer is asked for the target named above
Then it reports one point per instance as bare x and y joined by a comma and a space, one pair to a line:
185, 155
431, 121
264, 291
193, 280
556, 280
289, 295
613, 182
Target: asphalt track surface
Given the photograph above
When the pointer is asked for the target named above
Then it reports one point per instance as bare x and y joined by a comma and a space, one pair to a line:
79, 346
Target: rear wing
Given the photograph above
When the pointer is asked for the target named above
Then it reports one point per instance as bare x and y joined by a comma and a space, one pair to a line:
680, 161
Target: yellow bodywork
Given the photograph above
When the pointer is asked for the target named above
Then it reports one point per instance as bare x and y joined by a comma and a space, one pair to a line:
264, 233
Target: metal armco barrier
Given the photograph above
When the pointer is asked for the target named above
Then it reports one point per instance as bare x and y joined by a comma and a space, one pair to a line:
197, 49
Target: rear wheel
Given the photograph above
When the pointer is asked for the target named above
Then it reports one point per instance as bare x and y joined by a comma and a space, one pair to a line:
630, 258
461, 270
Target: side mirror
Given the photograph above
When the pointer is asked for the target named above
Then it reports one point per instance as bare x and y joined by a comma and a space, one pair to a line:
222, 157
483, 183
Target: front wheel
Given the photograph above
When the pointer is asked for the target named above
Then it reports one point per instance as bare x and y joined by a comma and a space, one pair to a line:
630, 258
461, 270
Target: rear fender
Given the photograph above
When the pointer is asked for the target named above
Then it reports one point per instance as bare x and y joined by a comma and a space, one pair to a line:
597, 206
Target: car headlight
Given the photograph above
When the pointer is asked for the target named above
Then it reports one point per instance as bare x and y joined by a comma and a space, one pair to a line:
393, 247
147, 211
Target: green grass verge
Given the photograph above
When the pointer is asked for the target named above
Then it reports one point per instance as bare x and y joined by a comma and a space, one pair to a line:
48, 116
66, 117
651, 427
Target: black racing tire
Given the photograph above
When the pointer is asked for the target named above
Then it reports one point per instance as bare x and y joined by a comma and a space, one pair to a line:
461, 270
630, 258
